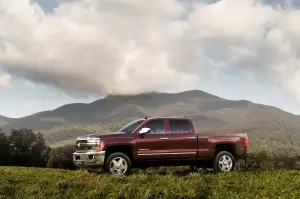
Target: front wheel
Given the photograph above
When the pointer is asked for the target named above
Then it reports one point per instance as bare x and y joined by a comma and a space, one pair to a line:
224, 162
118, 164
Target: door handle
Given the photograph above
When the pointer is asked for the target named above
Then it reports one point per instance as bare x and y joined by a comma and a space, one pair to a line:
164, 138
191, 137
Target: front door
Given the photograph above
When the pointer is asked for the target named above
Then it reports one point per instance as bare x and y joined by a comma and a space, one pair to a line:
153, 145
182, 140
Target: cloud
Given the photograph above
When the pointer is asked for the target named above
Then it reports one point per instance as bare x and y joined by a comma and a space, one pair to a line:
29, 84
5, 81
134, 46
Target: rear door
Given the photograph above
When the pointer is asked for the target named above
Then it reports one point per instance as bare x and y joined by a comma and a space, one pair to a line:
182, 141
153, 145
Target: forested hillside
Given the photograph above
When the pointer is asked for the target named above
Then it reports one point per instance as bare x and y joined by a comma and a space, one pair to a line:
269, 128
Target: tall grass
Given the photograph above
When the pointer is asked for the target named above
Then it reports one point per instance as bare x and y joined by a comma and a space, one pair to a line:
23, 183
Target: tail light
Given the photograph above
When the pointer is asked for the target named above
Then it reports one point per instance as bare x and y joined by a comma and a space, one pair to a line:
246, 142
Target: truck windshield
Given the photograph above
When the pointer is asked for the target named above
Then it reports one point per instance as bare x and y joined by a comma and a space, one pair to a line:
129, 128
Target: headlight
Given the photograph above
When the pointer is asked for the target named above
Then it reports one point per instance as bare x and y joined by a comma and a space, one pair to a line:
88, 143
96, 148
93, 140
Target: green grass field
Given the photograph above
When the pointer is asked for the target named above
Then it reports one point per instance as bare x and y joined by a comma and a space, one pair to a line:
19, 182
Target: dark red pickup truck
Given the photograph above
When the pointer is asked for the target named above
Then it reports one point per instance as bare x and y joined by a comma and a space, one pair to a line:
159, 142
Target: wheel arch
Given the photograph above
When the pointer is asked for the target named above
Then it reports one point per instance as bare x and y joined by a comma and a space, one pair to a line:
126, 149
229, 147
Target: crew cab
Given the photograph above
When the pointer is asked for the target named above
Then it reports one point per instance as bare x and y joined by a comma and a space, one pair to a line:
159, 141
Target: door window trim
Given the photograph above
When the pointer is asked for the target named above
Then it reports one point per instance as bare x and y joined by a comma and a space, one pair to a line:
169, 127
150, 120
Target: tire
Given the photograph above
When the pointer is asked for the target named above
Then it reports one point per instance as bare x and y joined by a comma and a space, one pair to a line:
228, 166
123, 166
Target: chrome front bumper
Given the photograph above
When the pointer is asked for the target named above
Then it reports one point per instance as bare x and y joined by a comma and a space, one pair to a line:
89, 159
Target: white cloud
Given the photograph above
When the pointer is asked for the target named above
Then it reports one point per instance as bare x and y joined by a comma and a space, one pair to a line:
29, 84
132, 46
5, 81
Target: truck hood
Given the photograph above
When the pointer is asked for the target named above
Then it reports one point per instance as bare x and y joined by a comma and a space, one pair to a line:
107, 135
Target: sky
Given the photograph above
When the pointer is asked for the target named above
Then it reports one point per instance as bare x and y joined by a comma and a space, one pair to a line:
67, 51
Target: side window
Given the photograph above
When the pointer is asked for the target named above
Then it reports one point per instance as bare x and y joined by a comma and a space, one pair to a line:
156, 126
180, 126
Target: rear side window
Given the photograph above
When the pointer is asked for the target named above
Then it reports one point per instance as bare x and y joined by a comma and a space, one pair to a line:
156, 126
180, 126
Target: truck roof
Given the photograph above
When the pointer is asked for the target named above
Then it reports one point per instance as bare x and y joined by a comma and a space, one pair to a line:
166, 118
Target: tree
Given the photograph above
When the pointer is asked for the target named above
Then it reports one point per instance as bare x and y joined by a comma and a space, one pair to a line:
4, 149
62, 157
28, 148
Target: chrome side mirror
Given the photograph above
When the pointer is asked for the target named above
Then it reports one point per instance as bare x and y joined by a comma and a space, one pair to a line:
144, 130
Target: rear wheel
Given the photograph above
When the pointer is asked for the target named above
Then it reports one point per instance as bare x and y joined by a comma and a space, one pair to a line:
118, 164
224, 162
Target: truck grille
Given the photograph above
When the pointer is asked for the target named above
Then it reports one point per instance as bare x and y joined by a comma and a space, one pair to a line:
81, 145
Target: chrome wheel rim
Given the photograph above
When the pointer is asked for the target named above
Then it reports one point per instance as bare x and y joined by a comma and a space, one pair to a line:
225, 163
118, 166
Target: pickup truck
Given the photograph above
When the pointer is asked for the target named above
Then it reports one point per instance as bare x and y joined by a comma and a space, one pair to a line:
159, 141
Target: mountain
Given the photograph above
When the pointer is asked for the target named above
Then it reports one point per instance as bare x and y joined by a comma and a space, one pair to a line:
109, 109
210, 113
5, 120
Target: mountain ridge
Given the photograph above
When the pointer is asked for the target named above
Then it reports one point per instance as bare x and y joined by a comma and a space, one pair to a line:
5, 120
210, 113
150, 93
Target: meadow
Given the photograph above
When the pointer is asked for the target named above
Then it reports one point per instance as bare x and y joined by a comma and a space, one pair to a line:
172, 182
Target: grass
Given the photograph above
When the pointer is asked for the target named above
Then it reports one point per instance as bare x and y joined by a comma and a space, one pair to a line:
23, 183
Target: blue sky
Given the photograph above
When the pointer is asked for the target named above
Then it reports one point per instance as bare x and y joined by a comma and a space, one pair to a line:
24, 98
48, 5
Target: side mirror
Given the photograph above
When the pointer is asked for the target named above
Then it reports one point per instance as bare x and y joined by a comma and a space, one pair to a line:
144, 130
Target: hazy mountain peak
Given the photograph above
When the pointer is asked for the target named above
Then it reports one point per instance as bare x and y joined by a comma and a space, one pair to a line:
209, 113
5, 120
189, 93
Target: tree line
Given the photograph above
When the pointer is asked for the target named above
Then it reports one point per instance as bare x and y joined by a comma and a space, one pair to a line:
23, 147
